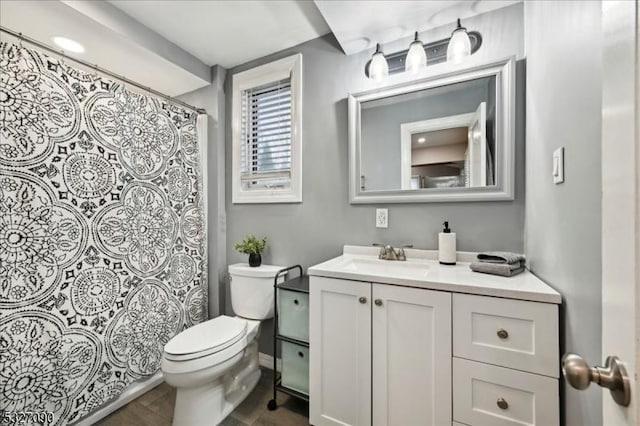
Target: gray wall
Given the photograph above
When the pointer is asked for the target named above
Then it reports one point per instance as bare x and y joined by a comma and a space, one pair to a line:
212, 99
316, 229
563, 243
381, 147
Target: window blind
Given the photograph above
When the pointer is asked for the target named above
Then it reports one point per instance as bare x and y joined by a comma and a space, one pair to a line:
266, 136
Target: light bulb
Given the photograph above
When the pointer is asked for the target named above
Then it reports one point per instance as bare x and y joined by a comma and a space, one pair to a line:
378, 68
416, 59
459, 45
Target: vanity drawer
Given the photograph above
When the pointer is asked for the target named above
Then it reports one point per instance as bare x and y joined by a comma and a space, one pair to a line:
497, 396
295, 367
512, 333
293, 314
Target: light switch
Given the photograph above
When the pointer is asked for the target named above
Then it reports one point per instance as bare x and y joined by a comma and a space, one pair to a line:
382, 218
558, 165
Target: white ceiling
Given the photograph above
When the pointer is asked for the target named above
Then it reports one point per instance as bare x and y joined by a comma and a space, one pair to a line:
42, 20
178, 40
229, 33
452, 136
359, 25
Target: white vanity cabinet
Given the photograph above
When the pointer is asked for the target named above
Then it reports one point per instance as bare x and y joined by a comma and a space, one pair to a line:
380, 354
416, 343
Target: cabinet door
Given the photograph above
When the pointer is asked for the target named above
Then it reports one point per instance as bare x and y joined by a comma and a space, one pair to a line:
411, 356
340, 348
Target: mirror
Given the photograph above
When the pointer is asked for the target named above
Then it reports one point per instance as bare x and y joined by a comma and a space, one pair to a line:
445, 138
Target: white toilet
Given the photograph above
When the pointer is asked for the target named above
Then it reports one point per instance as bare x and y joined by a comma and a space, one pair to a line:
214, 365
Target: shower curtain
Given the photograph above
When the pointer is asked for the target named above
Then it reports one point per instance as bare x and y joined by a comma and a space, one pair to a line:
102, 245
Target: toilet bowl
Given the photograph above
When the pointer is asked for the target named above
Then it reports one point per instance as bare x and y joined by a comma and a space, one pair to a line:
214, 365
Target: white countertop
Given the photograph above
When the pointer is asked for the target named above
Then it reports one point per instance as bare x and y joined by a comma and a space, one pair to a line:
422, 270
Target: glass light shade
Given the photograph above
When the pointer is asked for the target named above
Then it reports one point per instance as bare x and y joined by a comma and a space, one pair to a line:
459, 46
416, 59
378, 68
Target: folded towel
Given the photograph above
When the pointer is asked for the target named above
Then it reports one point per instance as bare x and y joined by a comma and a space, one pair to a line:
500, 257
502, 269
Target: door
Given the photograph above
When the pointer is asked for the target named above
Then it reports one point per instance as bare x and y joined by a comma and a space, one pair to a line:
411, 341
620, 202
476, 158
620, 223
340, 352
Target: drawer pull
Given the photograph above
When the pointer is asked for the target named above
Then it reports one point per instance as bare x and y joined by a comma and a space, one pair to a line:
300, 354
295, 301
502, 403
502, 333
362, 300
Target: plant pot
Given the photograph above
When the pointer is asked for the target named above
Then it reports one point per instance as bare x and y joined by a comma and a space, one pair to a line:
255, 259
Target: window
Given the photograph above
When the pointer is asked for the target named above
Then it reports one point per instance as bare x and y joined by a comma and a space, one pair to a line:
267, 149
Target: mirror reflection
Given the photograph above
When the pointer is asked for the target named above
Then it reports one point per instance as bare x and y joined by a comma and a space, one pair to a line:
442, 137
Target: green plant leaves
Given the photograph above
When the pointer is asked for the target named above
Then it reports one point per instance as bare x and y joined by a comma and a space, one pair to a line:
251, 245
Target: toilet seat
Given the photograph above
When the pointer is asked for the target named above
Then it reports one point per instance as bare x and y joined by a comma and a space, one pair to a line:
207, 338
198, 362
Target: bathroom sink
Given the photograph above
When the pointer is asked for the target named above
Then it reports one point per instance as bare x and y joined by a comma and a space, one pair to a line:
387, 268
422, 270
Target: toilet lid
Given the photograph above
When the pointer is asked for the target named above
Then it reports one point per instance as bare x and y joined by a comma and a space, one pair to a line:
206, 338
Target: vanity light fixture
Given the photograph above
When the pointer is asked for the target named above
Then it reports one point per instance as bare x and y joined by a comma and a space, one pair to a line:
68, 45
416, 59
378, 67
459, 45
419, 55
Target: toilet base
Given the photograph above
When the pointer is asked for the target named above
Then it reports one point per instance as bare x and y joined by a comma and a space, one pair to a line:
209, 404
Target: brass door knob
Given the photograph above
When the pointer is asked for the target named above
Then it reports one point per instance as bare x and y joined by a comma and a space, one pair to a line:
362, 300
612, 376
502, 333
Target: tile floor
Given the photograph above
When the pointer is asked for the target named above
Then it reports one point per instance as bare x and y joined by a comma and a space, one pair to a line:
155, 408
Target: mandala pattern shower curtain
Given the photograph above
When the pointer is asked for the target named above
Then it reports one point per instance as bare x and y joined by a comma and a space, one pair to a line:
102, 256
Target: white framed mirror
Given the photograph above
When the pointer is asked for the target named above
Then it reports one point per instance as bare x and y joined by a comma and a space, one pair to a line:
445, 138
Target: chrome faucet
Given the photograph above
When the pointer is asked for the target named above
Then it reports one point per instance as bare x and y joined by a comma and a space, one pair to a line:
389, 253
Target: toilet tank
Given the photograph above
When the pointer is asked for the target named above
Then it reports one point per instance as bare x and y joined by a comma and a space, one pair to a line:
252, 290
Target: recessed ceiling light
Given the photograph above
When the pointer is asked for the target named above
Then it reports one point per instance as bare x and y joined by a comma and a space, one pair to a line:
422, 140
68, 45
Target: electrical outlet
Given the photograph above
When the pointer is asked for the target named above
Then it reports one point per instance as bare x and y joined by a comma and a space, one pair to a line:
382, 218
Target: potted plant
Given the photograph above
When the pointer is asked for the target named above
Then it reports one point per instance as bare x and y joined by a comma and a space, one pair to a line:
253, 247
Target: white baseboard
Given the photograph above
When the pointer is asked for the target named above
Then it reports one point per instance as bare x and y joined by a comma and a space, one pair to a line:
266, 361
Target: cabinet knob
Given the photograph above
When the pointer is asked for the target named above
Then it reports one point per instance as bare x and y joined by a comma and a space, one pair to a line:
301, 355
502, 403
295, 301
378, 302
502, 333
362, 300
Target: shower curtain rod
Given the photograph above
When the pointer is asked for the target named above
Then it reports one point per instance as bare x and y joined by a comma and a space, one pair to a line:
45, 46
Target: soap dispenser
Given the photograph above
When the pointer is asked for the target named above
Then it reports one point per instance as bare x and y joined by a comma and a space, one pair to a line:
447, 246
